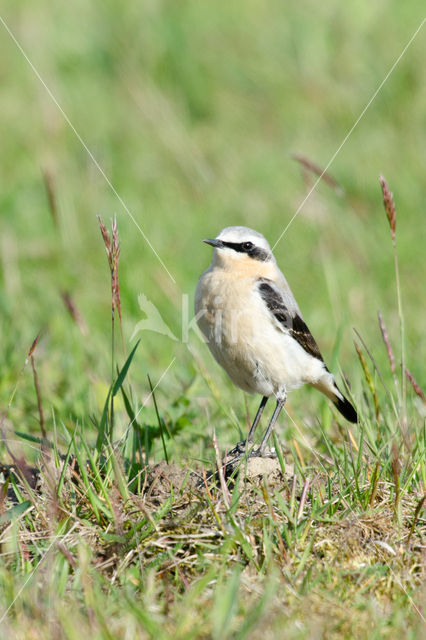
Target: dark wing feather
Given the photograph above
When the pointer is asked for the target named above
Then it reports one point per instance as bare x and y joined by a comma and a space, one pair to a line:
305, 338
294, 324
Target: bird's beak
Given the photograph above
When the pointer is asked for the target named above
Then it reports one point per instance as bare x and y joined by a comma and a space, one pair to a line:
214, 242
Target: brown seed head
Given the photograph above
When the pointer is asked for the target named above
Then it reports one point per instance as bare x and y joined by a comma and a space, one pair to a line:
114, 275
112, 247
33, 346
389, 206
417, 388
107, 240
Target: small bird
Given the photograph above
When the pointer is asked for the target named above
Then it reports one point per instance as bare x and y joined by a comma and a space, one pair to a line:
254, 328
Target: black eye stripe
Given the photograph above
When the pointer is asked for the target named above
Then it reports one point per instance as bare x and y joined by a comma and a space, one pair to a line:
249, 248
241, 247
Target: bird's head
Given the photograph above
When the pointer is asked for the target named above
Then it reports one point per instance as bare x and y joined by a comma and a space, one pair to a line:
240, 246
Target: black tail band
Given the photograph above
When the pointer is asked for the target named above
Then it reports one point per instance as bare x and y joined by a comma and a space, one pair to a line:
346, 409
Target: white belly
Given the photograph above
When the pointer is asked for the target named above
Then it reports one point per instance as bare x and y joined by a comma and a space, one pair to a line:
243, 337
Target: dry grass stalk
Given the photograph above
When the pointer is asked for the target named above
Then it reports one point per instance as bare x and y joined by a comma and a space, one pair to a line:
211, 501
74, 312
38, 394
32, 348
305, 489
51, 195
386, 340
112, 248
3, 416
389, 206
375, 483
417, 389
3, 497
299, 453
220, 466
396, 470
316, 169
416, 517
67, 554
114, 279
390, 209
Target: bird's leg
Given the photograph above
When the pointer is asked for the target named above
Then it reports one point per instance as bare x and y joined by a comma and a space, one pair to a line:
241, 447
257, 418
280, 403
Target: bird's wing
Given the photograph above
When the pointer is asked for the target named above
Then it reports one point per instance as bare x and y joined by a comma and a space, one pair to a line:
281, 284
288, 319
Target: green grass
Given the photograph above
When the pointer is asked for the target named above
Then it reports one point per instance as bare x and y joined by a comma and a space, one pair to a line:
193, 110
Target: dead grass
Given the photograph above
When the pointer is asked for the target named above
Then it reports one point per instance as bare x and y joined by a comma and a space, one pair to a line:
323, 576
99, 541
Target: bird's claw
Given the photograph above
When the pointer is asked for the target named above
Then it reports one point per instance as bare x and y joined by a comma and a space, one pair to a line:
235, 456
238, 450
241, 450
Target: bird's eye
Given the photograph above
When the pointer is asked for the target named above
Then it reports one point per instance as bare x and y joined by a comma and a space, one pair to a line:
247, 246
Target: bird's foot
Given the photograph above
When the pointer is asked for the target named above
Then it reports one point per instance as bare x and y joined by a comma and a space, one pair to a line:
267, 452
231, 462
241, 450
238, 450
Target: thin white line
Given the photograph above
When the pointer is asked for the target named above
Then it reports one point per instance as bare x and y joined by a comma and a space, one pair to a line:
142, 407
413, 604
352, 129
58, 536
65, 116
80, 139
55, 539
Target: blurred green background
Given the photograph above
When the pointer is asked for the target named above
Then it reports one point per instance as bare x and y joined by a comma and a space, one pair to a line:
193, 111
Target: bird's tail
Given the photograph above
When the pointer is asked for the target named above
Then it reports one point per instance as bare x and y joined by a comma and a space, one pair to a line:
328, 386
345, 407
